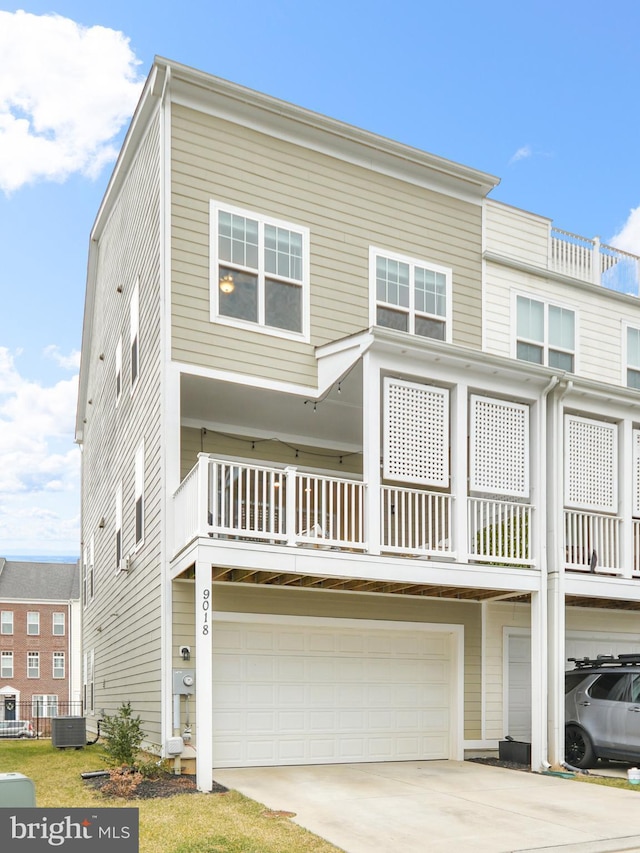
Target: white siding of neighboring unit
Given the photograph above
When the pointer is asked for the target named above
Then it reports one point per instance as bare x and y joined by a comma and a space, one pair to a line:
516, 234
122, 623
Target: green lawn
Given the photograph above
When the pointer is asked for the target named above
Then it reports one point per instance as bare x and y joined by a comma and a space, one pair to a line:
187, 823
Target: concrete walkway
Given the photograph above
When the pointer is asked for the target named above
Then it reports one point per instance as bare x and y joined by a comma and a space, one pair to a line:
445, 807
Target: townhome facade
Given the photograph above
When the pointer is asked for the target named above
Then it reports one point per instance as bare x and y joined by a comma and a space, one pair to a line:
40, 639
360, 464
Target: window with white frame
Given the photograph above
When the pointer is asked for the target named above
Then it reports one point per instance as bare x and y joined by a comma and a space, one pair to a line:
85, 575
33, 664
118, 370
545, 333
33, 622
633, 357
90, 569
88, 693
6, 665
6, 622
410, 295
260, 271
118, 542
58, 664
44, 705
139, 495
59, 625
134, 318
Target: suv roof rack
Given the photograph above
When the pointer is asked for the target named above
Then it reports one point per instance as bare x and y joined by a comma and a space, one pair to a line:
606, 661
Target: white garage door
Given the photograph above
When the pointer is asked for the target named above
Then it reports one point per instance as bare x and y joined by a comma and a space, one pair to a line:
310, 694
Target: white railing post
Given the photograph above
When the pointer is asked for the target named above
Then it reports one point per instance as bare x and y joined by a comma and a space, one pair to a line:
291, 480
202, 522
596, 275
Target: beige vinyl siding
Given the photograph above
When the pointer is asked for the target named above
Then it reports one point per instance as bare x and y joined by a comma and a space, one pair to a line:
122, 623
269, 452
347, 208
600, 318
516, 234
297, 602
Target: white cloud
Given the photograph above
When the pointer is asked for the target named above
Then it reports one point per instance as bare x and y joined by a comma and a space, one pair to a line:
628, 238
521, 154
40, 472
68, 362
65, 93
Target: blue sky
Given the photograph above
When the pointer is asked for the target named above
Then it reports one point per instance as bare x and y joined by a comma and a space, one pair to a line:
543, 95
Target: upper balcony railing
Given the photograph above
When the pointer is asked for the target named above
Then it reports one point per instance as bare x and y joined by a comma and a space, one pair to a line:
593, 261
283, 506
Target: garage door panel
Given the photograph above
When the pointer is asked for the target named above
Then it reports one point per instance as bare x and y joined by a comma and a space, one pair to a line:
294, 694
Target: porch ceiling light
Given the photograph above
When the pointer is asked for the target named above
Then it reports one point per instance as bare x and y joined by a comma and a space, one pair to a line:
227, 284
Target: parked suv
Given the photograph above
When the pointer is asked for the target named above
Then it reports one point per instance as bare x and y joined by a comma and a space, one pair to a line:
16, 728
602, 710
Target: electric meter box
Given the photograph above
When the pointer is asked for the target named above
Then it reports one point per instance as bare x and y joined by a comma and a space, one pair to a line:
184, 681
17, 791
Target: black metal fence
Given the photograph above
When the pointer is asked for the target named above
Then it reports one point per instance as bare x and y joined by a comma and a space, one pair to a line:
36, 713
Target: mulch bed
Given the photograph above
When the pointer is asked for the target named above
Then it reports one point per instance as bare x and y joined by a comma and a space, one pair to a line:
164, 785
495, 762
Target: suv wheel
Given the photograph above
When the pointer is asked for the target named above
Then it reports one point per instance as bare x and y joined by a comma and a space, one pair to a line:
578, 748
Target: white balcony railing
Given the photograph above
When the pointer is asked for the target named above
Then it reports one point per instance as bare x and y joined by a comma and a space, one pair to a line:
592, 542
499, 532
635, 570
590, 260
415, 522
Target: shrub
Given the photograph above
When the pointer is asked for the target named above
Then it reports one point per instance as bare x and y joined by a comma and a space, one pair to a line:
123, 736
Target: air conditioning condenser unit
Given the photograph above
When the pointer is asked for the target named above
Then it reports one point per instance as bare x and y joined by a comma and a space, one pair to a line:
68, 732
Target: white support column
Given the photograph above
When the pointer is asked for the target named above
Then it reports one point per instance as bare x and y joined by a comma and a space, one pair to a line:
371, 433
625, 508
204, 676
459, 470
555, 662
538, 682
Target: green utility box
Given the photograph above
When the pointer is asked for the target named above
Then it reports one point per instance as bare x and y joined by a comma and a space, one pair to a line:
16, 790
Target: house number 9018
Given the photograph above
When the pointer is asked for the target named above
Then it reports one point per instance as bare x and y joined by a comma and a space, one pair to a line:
205, 611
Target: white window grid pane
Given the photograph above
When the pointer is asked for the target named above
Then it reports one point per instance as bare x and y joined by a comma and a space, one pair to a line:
392, 282
238, 240
283, 252
430, 292
416, 433
591, 461
6, 622
499, 451
58, 624
633, 348
530, 319
58, 664
33, 622
561, 328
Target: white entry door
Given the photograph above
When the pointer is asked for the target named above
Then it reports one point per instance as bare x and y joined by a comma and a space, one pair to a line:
286, 693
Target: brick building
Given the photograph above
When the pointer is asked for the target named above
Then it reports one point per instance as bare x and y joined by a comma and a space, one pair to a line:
39, 638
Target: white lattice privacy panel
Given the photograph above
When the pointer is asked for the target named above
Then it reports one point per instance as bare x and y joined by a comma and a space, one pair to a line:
416, 433
591, 463
499, 451
636, 473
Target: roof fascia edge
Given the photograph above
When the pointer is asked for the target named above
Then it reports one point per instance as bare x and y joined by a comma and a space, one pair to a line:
319, 132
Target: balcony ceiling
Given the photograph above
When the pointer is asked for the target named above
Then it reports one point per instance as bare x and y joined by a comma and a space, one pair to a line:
334, 420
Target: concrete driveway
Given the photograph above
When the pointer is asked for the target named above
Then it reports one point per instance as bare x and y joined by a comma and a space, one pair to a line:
445, 807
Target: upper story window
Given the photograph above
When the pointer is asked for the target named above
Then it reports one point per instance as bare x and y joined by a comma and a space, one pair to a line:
139, 495
633, 357
118, 370
118, 525
58, 664
6, 665
58, 624
410, 295
260, 272
6, 622
545, 334
134, 315
33, 622
33, 664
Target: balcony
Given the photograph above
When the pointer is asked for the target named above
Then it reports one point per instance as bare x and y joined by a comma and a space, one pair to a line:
593, 261
235, 501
